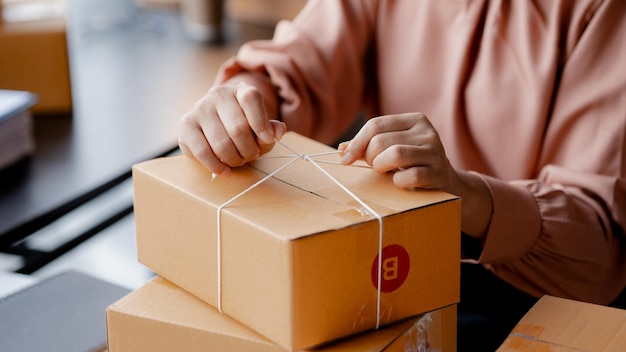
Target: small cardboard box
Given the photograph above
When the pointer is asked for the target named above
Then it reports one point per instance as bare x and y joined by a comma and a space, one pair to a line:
298, 256
558, 324
160, 316
34, 54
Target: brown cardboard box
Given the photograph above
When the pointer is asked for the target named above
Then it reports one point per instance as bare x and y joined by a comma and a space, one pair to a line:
162, 317
298, 255
558, 324
34, 55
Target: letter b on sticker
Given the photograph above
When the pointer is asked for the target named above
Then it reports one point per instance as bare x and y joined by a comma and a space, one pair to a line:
395, 268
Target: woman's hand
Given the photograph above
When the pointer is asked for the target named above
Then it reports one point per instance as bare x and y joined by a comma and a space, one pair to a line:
409, 146
228, 127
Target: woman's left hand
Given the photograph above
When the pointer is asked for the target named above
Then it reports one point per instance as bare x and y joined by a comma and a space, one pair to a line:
408, 145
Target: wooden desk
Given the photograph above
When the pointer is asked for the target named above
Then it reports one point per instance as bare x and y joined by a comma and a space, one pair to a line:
134, 73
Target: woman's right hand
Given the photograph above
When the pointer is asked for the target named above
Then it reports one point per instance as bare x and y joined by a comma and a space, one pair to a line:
228, 127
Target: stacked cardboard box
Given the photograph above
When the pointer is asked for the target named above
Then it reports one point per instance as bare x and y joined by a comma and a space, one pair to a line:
161, 317
313, 253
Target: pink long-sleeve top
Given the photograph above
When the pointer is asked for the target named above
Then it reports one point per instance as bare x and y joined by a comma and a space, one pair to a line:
530, 94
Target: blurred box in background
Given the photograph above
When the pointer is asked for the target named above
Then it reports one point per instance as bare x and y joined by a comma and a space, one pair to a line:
34, 53
204, 19
265, 12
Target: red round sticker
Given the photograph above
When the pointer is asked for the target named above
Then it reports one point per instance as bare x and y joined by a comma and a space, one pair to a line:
395, 268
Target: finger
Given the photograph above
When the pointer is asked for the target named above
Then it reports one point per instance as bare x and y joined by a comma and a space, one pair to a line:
355, 148
358, 146
192, 143
402, 156
422, 177
279, 129
206, 117
241, 144
382, 143
251, 102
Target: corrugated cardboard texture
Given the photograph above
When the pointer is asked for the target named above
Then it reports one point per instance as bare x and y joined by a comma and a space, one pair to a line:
297, 252
558, 324
162, 317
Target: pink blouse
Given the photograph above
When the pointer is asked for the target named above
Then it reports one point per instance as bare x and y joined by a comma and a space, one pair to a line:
530, 94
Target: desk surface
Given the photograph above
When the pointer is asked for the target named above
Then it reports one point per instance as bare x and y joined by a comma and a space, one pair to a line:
134, 73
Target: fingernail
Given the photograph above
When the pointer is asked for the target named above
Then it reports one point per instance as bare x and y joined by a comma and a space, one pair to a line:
226, 173
281, 132
266, 137
346, 158
342, 146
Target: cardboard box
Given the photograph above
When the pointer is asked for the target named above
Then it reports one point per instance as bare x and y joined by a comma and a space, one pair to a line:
298, 255
34, 54
558, 324
162, 317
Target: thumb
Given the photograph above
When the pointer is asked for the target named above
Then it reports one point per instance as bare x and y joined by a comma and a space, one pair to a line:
279, 127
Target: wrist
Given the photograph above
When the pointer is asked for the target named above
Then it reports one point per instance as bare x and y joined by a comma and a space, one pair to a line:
476, 205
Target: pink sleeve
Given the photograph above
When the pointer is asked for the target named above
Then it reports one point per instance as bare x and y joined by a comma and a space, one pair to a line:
316, 65
564, 233
564, 244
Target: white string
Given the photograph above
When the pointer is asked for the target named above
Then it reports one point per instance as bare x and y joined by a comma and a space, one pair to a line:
380, 231
339, 163
308, 158
219, 229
